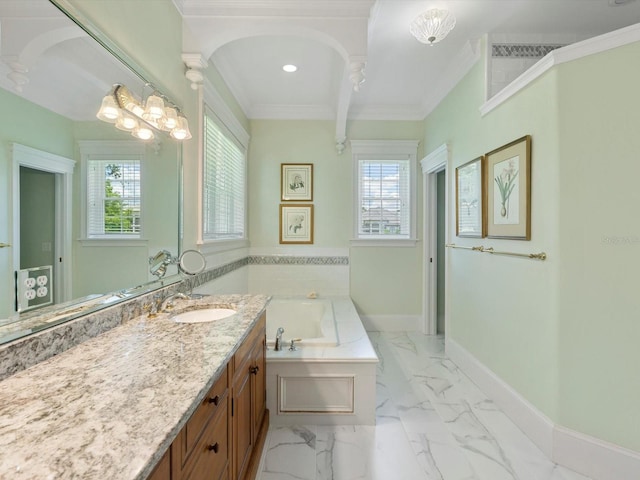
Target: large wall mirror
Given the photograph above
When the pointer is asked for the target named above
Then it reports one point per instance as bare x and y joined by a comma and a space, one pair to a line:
83, 205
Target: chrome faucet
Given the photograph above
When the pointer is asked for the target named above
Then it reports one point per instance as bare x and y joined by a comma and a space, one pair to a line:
167, 303
278, 345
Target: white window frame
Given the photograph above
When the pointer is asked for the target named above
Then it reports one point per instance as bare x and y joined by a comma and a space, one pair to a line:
211, 100
384, 150
115, 150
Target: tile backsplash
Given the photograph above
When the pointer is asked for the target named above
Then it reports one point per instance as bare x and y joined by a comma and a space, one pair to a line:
271, 274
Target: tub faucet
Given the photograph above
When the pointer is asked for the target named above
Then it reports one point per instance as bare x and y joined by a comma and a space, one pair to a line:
278, 345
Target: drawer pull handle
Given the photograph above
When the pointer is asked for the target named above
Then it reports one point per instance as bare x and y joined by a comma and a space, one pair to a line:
215, 400
214, 447
254, 369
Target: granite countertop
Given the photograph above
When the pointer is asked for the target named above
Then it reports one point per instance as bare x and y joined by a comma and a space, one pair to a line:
111, 406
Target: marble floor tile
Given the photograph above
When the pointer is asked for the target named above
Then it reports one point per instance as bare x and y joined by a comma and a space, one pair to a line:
432, 423
290, 453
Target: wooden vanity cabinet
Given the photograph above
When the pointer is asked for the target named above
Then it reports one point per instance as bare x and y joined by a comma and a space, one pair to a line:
224, 437
163, 468
201, 449
249, 419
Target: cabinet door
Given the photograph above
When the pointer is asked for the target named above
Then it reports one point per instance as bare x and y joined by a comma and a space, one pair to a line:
241, 419
258, 370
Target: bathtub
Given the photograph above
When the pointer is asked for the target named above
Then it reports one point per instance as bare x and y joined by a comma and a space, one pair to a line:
330, 378
311, 321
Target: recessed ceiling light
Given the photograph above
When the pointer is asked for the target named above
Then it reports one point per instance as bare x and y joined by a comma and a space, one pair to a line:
289, 68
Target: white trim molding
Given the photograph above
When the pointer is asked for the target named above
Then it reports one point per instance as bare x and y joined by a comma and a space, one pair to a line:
566, 54
63, 168
588, 455
401, 150
436, 160
433, 163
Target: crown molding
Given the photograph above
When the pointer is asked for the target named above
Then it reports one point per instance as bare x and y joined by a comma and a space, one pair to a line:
276, 8
386, 112
291, 112
566, 54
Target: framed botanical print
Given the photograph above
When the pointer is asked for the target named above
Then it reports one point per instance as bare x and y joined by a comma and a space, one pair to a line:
508, 183
296, 223
470, 199
296, 182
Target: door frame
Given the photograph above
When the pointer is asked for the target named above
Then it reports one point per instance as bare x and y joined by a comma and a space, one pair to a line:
24, 156
434, 163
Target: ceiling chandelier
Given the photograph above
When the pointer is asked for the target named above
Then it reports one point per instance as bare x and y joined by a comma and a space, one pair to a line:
157, 113
432, 26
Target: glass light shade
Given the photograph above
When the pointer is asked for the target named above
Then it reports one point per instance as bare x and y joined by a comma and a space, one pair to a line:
432, 26
170, 119
109, 110
126, 123
154, 108
135, 108
181, 132
143, 133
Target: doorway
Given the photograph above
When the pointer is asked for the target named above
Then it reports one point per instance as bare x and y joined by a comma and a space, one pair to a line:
41, 211
435, 298
38, 229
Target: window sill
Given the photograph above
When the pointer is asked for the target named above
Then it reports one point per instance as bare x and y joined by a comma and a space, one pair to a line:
217, 246
113, 242
384, 242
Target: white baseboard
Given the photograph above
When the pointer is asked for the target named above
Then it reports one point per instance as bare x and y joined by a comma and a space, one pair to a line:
537, 426
593, 457
391, 323
588, 455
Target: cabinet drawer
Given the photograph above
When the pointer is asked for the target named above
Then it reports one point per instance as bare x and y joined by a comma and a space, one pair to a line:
211, 454
213, 401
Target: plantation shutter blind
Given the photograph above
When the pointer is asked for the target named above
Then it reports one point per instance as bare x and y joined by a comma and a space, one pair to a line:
113, 198
384, 198
224, 183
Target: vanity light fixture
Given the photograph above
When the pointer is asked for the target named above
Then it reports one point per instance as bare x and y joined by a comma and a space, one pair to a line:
142, 119
289, 68
432, 26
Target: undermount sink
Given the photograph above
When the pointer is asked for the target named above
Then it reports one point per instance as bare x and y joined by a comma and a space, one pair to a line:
203, 315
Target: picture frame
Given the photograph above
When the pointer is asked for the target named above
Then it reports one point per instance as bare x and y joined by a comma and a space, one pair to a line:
296, 180
296, 224
471, 211
508, 190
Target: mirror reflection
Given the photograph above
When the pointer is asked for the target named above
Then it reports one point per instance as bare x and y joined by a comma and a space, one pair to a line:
192, 262
84, 205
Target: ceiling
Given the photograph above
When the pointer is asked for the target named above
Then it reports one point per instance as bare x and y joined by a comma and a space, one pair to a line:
334, 43
250, 40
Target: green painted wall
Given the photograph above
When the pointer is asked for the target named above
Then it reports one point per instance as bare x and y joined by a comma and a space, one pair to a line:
383, 280
564, 332
599, 331
501, 309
